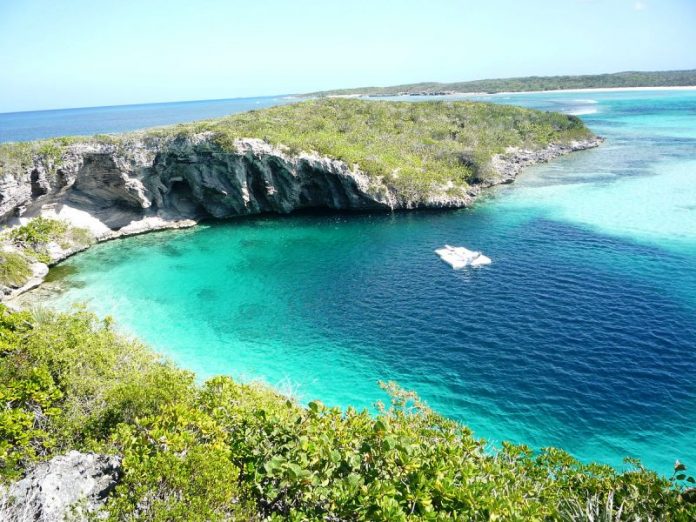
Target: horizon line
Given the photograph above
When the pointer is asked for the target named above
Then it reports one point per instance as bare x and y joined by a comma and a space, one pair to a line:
309, 93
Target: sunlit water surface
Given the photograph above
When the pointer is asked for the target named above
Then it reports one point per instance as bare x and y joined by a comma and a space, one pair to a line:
581, 334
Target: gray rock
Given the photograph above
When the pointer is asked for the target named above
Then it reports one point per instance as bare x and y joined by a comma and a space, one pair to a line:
67, 487
191, 178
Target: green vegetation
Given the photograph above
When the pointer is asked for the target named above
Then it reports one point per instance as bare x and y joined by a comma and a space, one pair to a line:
33, 238
415, 148
39, 230
14, 269
223, 450
533, 83
16, 157
412, 147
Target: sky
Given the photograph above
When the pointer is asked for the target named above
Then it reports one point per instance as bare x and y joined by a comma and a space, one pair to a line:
83, 53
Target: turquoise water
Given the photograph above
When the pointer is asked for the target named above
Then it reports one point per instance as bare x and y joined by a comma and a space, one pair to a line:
581, 334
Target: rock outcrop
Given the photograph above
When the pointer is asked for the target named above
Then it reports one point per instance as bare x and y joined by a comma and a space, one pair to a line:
146, 183
72, 487
161, 182
510, 164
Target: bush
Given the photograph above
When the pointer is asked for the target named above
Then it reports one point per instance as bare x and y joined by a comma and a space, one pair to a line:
39, 231
177, 467
35, 236
422, 142
224, 450
534, 83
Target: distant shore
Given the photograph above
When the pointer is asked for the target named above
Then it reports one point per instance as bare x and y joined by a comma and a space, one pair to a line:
588, 89
508, 93
620, 81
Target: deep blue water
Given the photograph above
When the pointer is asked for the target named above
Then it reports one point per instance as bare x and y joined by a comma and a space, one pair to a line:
581, 334
34, 125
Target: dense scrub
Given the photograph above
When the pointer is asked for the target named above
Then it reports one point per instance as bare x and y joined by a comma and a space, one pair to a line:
534, 83
223, 450
410, 146
17, 157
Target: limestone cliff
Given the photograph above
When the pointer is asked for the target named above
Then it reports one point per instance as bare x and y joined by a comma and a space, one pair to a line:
145, 183
148, 183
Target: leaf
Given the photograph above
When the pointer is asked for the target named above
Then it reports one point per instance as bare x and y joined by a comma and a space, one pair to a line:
294, 471
380, 426
354, 480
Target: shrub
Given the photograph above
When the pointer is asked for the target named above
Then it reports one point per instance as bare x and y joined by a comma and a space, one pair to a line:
422, 141
39, 231
35, 236
14, 269
177, 467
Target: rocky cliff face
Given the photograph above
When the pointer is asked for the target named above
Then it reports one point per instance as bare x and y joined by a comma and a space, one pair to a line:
157, 183
149, 183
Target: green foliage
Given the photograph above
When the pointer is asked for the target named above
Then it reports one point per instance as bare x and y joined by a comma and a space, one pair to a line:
101, 379
15, 158
35, 236
417, 149
223, 450
14, 269
177, 467
532, 83
414, 147
39, 230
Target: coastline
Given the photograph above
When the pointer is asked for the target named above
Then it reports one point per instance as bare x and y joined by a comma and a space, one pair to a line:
98, 188
592, 89
507, 166
426, 94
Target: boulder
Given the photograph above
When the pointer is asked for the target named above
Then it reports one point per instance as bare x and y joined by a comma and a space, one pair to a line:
67, 487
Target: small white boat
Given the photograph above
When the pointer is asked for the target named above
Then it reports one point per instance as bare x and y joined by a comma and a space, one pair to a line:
460, 257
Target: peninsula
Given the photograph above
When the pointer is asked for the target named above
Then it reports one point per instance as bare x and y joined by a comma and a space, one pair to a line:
352, 155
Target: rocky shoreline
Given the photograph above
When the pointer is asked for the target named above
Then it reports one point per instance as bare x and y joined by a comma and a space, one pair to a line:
144, 185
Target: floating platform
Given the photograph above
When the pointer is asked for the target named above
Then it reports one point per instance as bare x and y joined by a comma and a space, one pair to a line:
460, 257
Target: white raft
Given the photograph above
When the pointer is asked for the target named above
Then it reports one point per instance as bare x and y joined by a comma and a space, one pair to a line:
460, 257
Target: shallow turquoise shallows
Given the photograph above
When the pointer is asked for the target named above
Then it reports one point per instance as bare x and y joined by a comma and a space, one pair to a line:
581, 334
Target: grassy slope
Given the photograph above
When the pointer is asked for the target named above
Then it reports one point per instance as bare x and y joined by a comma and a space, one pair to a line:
220, 449
414, 146
535, 83
14, 269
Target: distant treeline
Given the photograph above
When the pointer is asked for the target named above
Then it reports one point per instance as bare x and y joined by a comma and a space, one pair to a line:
532, 83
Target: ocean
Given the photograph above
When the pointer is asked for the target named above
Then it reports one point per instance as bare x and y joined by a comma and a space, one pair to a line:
581, 334
35, 125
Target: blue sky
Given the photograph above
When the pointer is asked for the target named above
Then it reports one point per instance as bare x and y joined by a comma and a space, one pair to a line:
77, 53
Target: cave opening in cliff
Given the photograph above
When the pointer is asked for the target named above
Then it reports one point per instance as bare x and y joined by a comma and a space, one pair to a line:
182, 199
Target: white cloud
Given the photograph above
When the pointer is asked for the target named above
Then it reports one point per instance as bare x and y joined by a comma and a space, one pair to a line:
640, 6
